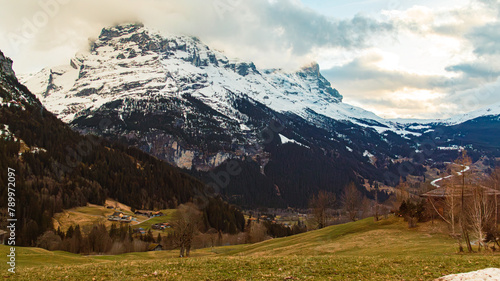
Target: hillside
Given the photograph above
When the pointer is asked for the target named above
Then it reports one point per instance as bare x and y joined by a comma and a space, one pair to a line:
92, 214
56, 168
363, 238
343, 252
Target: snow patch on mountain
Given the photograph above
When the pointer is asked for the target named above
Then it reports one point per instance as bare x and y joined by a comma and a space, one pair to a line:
492, 110
130, 61
287, 140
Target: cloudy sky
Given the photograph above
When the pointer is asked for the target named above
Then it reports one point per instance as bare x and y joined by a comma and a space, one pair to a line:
397, 58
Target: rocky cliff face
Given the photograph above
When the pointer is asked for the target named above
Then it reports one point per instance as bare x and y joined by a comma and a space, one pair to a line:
6, 66
12, 93
177, 99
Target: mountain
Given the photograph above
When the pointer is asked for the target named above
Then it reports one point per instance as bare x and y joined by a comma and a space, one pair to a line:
56, 168
477, 131
289, 132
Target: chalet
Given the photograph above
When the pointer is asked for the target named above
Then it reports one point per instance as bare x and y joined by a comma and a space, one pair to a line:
143, 213
161, 226
126, 218
119, 216
158, 214
140, 230
437, 197
155, 247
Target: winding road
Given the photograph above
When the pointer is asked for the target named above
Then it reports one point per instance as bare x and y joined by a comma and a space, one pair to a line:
434, 182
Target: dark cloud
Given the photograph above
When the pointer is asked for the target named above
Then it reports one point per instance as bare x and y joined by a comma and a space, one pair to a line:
304, 29
486, 39
486, 71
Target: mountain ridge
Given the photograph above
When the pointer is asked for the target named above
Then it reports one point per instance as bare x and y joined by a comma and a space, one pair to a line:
203, 56
56, 168
175, 98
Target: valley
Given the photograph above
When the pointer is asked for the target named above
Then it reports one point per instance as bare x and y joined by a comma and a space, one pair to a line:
154, 156
363, 250
181, 101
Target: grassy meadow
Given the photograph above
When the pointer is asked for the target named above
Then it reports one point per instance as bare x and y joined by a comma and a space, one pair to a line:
167, 217
362, 250
95, 214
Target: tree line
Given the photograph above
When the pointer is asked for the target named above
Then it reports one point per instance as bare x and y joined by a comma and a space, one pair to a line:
73, 170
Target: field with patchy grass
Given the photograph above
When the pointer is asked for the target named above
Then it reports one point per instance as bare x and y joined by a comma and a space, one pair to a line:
96, 214
363, 250
88, 215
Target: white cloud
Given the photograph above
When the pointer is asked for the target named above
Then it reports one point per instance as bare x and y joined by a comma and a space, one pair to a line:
284, 31
442, 54
442, 61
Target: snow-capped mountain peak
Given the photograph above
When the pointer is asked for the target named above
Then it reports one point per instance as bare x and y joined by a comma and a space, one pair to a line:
129, 61
491, 110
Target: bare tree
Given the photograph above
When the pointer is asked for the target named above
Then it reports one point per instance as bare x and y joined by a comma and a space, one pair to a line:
401, 192
366, 207
376, 206
257, 232
319, 204
452, 205
479, 211
186, 224
464, 161
494, 182
49, 240
351, 199
212, 233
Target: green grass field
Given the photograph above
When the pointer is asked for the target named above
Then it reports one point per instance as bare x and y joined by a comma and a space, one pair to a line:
363, 250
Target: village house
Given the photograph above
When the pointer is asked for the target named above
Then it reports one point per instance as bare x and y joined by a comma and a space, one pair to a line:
120, 216
155, 247
161, 226
140, 231
437, 197
143, 213
148, 213
158, 214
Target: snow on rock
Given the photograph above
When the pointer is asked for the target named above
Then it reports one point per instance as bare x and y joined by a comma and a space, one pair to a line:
285, 140
370, 156
492, 110
491, 274
6, 133
13, 95
366, 153
130, 61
